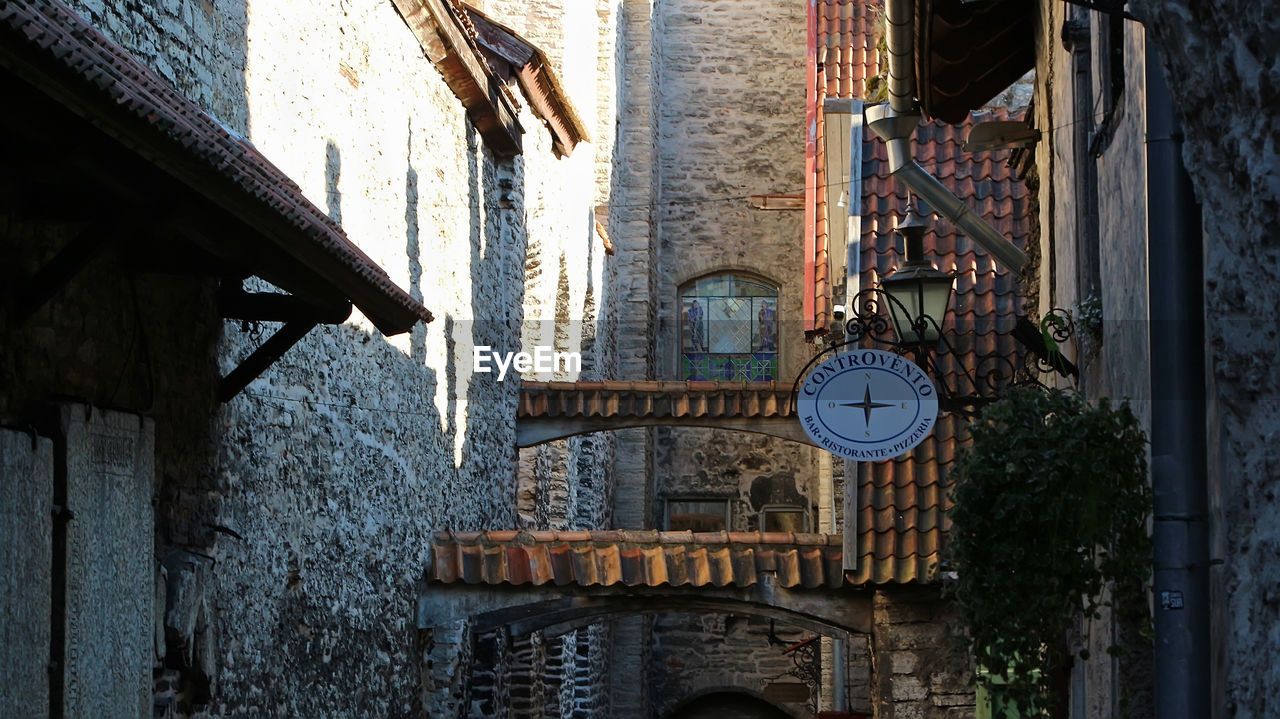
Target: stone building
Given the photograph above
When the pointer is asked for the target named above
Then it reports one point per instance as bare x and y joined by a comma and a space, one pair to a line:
241, 496
1150, 146
246, 478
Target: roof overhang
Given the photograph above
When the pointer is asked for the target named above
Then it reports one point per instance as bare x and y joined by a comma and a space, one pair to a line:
968, 52
151, 175
448, 38
536, 77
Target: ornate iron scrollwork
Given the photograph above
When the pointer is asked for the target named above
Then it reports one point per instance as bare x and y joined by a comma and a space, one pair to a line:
963, 387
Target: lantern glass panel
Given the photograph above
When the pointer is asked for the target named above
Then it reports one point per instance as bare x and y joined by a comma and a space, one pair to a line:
918, 294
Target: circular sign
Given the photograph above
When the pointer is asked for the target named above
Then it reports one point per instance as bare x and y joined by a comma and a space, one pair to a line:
867, 405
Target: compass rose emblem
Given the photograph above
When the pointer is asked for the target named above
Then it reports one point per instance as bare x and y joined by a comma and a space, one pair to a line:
898, 402
866, 405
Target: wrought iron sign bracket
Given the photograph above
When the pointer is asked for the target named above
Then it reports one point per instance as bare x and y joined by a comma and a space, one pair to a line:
962, 389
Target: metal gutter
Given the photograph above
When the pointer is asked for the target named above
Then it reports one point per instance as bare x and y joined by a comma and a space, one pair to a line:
1175, 301
899, 14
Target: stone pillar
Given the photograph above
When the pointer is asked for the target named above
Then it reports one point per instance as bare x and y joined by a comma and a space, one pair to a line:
26, 526
915, 676
110, 572
446, 668
630, 667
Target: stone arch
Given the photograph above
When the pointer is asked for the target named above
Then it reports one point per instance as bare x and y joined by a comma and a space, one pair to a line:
561, 615
739, 699
698, 270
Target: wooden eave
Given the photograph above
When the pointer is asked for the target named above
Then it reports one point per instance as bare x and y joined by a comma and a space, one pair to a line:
448, 41
538, 81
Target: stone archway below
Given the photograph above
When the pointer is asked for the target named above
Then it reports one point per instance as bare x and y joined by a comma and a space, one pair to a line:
717, 705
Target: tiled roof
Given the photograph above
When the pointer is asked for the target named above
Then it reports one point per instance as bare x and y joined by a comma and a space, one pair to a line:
610, 399
55, 45
966, 53
635, 558
536, 76
901, 502
848, 31
450, 40
844, 34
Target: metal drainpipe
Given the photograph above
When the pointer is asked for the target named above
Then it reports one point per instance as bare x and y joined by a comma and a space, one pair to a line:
1178, 468
900, 17
895, 129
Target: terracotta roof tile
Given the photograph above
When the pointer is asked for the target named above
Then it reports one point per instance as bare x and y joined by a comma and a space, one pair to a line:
967, 52
654, 399
50, 35
844, 34
848, 31
635, 559
902, 503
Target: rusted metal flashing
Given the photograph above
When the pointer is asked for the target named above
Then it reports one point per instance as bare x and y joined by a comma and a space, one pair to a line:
449, 40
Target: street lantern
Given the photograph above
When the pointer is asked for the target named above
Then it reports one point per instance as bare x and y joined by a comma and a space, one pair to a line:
918, 293
906, 312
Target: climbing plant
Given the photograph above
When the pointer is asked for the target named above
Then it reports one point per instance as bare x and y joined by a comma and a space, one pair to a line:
1050, 507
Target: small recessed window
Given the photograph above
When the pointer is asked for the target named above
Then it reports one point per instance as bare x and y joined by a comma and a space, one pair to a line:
697, 515
783, 519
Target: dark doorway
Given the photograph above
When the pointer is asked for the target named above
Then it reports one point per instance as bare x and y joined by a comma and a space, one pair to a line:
723, 705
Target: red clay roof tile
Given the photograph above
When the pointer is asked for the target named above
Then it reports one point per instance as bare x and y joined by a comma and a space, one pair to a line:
637, 558
902, 503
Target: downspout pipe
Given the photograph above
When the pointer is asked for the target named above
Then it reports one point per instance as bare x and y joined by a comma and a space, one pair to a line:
896, 128
900, 17
1175, 301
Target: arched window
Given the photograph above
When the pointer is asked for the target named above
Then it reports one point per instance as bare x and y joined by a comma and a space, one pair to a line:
729, 329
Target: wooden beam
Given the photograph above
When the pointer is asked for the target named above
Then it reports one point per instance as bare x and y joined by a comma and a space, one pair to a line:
262, 358
236, 304
777, 202
443, 41
54, 275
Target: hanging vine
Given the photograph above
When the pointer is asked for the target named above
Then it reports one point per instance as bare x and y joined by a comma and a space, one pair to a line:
1051, 507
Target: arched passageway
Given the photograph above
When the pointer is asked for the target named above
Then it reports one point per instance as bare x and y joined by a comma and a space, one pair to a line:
720, 705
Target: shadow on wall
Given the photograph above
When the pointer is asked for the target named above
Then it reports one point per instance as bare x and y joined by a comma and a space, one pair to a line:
342, 442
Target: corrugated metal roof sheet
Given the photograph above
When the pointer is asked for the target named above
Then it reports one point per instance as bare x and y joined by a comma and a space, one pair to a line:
637, 558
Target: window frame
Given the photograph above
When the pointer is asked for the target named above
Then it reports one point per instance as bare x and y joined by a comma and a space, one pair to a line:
779, 508
691, 498
688, 290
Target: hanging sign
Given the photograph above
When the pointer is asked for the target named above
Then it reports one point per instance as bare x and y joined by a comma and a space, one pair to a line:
867, 405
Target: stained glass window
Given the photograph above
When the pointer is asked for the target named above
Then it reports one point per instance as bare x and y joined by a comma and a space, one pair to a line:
729, 329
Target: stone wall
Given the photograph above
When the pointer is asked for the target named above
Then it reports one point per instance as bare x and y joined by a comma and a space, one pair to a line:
1220, 59
914, 676
713, 112
313, 492
1093, 233
694, 654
